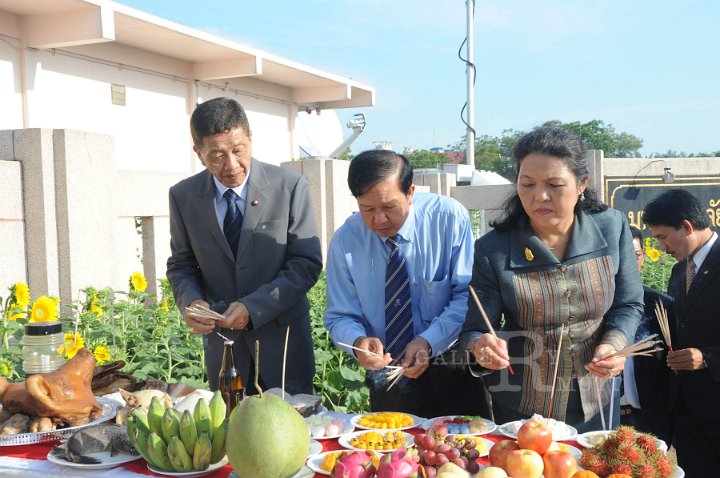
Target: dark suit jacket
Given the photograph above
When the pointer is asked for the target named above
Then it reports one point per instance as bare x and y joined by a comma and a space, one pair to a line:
652, 375
278, 261
697, 324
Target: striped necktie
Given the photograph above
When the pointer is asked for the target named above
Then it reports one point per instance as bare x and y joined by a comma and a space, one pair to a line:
233, 220
398, 310
689, 274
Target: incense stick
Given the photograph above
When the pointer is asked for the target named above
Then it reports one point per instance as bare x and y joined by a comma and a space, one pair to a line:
287, 336
662, 318
596, 383
204, 313
392, 375
643, 346
612, 399
555, 372
487, 321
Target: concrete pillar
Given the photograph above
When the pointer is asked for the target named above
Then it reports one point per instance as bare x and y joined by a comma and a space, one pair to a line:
84, 205
34, 148
12, 225
595, 166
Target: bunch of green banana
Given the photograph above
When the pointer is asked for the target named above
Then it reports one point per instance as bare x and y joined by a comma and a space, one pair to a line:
180, 443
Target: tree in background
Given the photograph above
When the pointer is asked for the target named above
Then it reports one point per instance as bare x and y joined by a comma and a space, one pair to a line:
494, 153
427, 159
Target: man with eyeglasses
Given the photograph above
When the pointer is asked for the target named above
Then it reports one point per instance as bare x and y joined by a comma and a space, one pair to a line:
244, 244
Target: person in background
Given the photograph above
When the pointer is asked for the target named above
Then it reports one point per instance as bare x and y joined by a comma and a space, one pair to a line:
558, 260
678, 220
397, 275
646, 379
244, 242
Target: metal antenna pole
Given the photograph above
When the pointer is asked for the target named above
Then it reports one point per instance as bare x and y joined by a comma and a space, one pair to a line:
470, 147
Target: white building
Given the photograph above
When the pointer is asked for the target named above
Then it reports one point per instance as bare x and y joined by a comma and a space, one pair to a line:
95, 100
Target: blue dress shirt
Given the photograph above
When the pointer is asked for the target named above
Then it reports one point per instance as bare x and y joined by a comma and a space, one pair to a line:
437, 242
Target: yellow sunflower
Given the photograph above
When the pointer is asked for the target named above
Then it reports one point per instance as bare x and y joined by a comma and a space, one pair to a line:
14, 312
21, 293
94, 307
653, 254
138, 282
648, 242
70, 347
44, 309
164, 305
4, 369
101, 353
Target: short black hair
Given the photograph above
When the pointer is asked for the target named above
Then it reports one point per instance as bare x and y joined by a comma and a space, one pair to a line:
636, 233
370, 167
673, 207
217, 116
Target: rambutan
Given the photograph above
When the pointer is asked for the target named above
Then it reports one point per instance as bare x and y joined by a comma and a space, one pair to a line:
664, 466
629, 454
625, 435
645, 471
622, 468
601, 468
647, 443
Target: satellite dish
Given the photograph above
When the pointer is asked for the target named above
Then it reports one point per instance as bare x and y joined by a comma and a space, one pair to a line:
318, 133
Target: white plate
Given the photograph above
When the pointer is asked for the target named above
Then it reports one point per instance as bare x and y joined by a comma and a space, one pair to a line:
304, 472
344, 440
190, 474
491, 426
348, 428
589, 439
315, 447
315, 461
508, 429
106, 461
416, 421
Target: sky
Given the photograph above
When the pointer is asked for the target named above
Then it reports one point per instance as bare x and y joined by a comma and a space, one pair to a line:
648, 68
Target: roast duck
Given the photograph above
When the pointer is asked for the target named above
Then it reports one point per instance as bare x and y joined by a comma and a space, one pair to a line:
64, 395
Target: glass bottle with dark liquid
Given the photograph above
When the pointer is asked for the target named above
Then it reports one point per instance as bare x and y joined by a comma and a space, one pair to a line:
229, 381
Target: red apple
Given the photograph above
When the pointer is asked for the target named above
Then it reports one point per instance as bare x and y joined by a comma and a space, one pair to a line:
500, 450
534, 435
524, 464
559, 464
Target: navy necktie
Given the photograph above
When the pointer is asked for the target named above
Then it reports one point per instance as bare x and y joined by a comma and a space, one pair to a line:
233, 220
398, 310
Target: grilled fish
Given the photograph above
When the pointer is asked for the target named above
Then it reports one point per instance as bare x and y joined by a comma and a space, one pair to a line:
112, 438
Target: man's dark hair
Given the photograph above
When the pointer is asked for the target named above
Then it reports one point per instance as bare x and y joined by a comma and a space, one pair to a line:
217, 116
370, 167
636, 234
673, 207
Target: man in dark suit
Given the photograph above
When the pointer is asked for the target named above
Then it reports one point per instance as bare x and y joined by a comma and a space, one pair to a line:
678, 220
646, 379
244, 243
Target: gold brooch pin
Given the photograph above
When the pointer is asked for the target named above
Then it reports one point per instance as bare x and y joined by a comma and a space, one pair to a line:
528, 254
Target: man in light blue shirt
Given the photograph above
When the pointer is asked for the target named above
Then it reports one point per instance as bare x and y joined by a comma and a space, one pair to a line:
432, 234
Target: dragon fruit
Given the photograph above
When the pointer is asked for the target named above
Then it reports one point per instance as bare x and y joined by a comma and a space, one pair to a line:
402, 463
354, 464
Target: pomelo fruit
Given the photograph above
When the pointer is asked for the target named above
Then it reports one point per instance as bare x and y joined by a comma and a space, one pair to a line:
267, 438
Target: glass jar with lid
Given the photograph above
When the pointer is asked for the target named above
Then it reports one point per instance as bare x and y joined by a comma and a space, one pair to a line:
40, 347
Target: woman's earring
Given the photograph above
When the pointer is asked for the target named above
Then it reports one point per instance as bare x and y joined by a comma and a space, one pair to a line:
582, 196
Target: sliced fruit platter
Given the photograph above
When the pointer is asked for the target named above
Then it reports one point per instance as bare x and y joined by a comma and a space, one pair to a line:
376, 440
325, 462
465, 425
386, 421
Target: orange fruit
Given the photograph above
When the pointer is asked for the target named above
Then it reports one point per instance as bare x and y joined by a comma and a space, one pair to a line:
585, 474
619, 475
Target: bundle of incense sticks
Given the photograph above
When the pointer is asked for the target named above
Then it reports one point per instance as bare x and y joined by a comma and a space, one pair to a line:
394, 372
204, 313
555, 371
662, 317
486, 319
645, 347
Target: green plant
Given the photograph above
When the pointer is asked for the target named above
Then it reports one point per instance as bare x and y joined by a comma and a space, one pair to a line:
658, 266
339, 380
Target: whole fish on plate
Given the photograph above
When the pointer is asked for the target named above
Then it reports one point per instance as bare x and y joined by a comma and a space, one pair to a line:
110, 438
